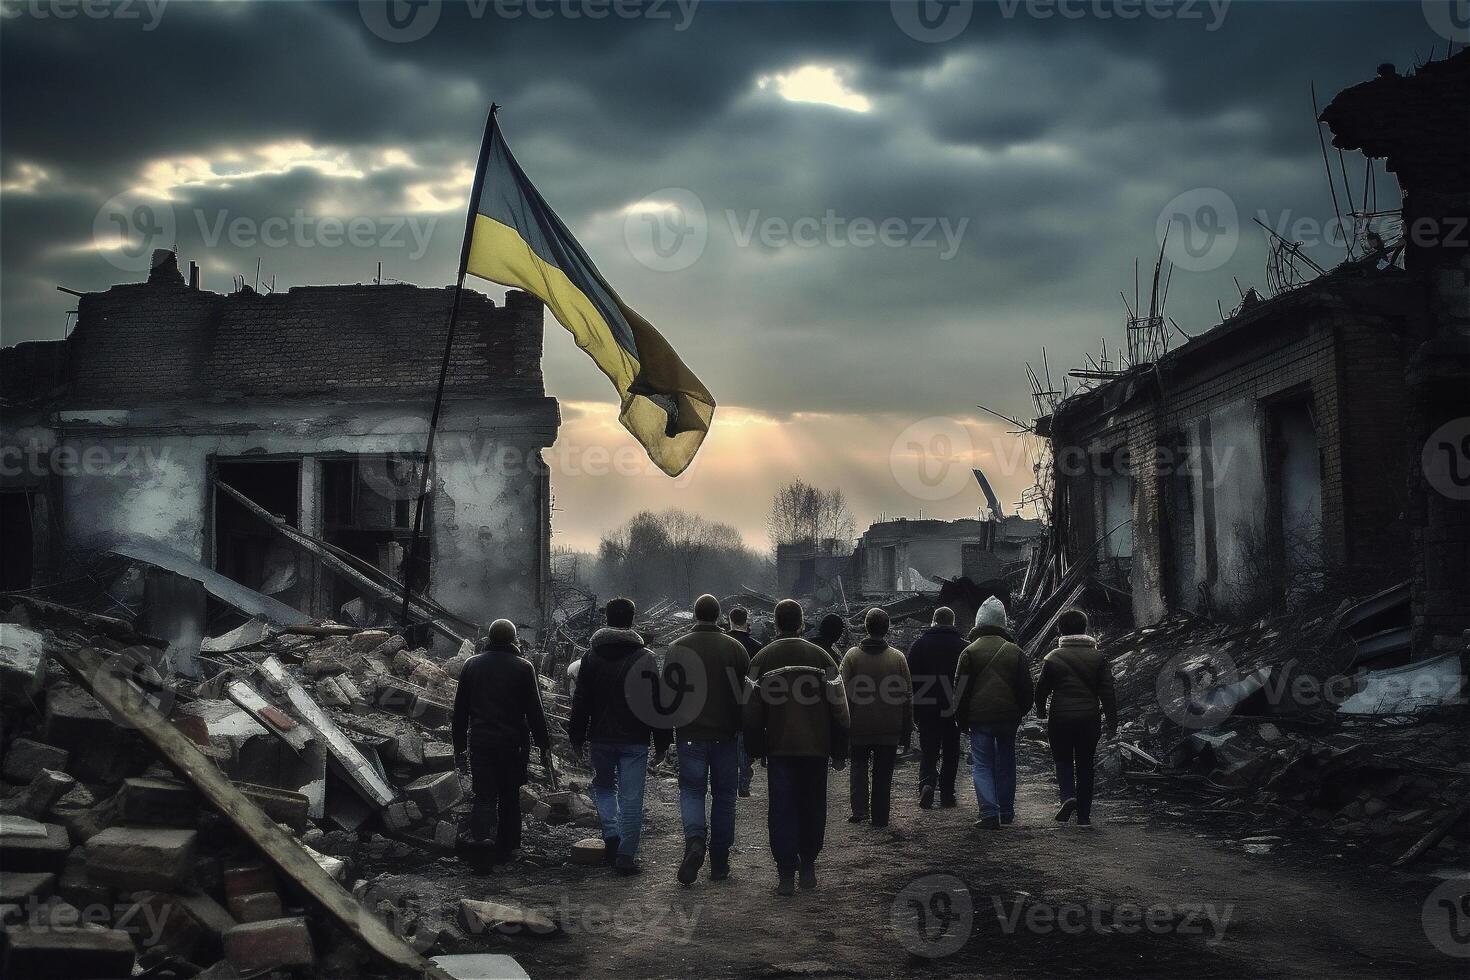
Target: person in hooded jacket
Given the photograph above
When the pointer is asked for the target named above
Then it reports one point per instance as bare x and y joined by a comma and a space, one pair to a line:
615, 710
993, 690
933, 657
497, 715
796, 719
1079, 683
880, 701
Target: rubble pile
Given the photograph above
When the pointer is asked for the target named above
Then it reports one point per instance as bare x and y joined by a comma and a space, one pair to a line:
236, 823
1274, 722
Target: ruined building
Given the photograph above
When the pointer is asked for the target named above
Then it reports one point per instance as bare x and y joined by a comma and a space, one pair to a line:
911, 553
1283, 451
127, 438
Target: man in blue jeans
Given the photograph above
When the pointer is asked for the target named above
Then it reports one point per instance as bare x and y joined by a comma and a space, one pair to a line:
611, 711
993, 692
704, 673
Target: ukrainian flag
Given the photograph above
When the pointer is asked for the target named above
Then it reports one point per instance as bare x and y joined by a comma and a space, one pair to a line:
515, 239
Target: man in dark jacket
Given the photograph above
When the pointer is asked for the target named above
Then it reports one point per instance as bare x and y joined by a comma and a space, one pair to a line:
993, 692
932, 660
1079, 683
706, 668
740, 629
616, 709
496, 708
829, 635
796, 719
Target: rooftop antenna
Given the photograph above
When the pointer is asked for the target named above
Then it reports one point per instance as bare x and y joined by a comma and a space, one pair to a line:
257, 273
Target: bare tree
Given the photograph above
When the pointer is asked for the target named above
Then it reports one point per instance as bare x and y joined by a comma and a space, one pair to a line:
676, 554
802, 513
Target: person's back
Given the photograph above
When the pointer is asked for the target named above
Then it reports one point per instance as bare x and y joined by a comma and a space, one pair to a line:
1075, 693
715, 665
796, 718
932, 658
618, 669
1078, 680
875, 678
992, 695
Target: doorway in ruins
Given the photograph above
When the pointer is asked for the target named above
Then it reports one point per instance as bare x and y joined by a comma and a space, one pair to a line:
246, 548
17, 531
367, 506
1294, 495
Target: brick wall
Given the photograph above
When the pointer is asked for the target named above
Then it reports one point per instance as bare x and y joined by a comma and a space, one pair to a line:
159, 341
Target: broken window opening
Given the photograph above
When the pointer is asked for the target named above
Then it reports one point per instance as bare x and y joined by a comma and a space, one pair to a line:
368, 504
1295, 495
17, 531
245, 549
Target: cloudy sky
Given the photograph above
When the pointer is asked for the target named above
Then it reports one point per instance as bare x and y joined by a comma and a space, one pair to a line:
856, 221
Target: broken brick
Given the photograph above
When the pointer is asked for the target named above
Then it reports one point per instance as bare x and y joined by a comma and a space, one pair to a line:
270, 945
141, 857
26, 758
435, 793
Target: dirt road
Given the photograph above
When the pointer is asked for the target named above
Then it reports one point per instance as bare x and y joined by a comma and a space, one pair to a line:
933, 895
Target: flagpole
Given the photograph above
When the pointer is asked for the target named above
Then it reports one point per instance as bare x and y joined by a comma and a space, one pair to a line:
464, 258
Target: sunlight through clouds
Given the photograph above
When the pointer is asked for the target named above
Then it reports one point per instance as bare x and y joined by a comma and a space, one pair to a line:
823, 84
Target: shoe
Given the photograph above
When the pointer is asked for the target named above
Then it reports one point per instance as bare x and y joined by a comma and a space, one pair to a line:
880, 824
988, 823
693, 860
926, 797
948, 802
786, 882
719, 865
1084, 821
808, 878
626, 865
1007, 819
857, 818
610, 849
1064, 813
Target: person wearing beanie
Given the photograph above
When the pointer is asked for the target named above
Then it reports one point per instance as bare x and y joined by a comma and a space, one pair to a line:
706, 668
497, 715
1079, 683
614, 712
993, 691
933, 658
796, 719
880, 700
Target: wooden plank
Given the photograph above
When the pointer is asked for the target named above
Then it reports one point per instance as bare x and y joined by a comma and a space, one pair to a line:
90, 669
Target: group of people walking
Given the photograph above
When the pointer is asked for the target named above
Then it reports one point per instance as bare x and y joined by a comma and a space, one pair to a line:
724, 700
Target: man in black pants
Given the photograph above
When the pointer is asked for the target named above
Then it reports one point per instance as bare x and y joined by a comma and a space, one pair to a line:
932, 660
497, 714
1077, 678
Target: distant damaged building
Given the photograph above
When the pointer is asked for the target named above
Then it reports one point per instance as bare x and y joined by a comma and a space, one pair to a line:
910, 554
1291, 449
276, 442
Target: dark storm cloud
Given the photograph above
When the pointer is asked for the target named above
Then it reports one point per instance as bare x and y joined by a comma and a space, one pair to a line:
1054, 140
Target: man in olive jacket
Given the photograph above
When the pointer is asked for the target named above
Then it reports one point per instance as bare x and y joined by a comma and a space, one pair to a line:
933, 659
796, 719
993, 692
1079, 683
707, 668
880, 699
